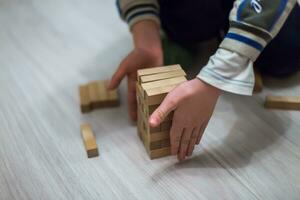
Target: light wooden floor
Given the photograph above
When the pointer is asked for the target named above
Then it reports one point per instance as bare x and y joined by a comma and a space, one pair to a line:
48, 48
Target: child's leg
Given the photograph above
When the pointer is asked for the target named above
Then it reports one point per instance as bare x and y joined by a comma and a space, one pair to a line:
282, 56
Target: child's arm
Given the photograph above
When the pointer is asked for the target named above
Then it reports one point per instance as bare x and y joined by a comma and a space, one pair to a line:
133, 11
253, 24
147, 52
144, 23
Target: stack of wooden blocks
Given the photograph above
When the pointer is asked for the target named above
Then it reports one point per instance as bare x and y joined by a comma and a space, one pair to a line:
152, 86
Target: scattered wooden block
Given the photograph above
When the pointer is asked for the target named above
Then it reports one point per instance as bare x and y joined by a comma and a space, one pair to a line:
94, 95
283, 102
89, 140
152, 87
84, 99
258, 84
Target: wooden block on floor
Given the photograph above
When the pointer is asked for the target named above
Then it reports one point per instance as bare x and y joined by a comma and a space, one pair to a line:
94, 95
258, 84
84, 99
89, 140
283, 102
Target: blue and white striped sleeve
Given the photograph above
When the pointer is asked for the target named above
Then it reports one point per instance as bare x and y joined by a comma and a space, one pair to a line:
253, 24
133, 11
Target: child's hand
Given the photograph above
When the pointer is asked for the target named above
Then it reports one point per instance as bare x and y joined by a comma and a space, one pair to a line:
193, 102
147, 53
137, 59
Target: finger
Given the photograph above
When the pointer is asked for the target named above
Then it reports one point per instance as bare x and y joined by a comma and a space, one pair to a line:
184, 143
193, 141
168, 105
119, 74
132, 103
175, 137
203, 127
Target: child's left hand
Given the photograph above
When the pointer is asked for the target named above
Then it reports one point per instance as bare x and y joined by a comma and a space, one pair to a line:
193, 102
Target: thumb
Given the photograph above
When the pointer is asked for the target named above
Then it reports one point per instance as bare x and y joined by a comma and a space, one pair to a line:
162, 111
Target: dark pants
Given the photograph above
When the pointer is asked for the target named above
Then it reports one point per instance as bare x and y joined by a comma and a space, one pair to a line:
193, 21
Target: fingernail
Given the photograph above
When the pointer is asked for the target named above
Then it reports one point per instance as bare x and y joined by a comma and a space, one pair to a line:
153, 121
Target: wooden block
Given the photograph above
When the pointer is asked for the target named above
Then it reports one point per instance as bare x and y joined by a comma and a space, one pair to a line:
156, 95
84, 99
139, 91
139, 123
147, 127
149, 110
155, 145
283, 102
154, 85
112, 99
159, 136
153, 130
162, 76
158, 153
166, 82
166, 125
89, 140
160, 144
93, 92
94, 95
165, 143
258, 85
156, 70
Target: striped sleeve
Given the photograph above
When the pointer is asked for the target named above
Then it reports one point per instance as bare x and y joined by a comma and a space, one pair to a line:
253, 24
133, 11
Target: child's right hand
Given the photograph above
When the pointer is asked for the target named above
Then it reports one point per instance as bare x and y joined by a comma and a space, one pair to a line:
147, 53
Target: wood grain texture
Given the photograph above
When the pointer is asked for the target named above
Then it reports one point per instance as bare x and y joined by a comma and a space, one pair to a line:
89, 140
48, 48
163, 76
283, 102
156, 70
85, 104
94, 95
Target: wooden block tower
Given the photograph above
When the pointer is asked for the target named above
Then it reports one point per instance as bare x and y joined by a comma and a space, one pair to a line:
152, 86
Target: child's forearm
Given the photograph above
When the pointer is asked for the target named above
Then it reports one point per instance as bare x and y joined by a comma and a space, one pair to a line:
146, 36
